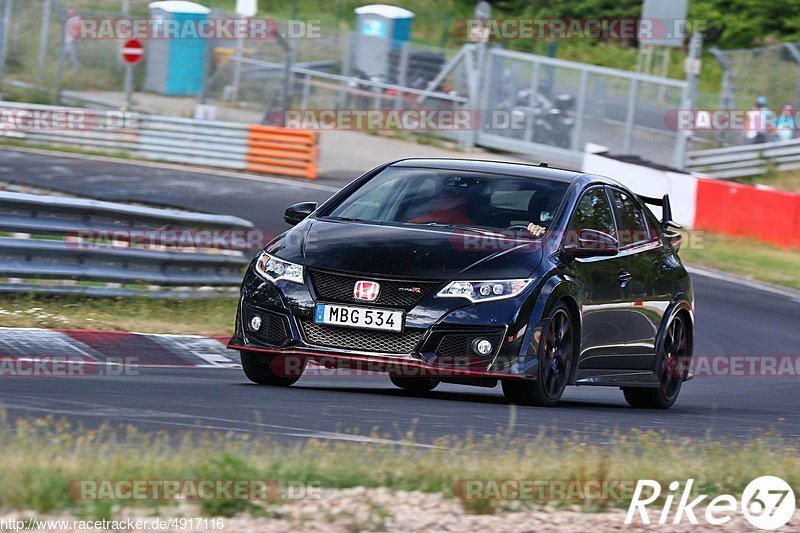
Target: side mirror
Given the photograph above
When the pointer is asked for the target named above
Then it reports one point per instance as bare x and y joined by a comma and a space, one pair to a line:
298, 212
592, 243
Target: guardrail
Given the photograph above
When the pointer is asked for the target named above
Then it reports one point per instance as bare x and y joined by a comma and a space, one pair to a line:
254, 148
65, 245
748, 160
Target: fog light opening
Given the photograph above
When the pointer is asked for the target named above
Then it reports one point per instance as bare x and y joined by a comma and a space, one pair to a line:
482, 347
255, 323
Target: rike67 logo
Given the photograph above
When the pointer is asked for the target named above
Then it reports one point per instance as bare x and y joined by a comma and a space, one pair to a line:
768, 502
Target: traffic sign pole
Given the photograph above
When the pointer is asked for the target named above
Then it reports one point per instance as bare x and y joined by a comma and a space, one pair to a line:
128, 86
132, 53
128, 66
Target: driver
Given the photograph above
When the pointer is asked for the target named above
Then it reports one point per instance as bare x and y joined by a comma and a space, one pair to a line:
541, 210
536, 230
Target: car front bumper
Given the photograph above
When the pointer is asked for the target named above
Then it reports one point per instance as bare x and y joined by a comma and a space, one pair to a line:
434, 342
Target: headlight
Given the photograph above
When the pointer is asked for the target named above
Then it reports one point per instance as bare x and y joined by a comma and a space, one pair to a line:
483, 291
274, 269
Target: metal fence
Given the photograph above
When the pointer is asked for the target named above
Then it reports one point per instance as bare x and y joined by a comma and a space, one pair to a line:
74, 245
325, 75
318, 90
747, 160
769, 71
528, 104
38, 50
564, 105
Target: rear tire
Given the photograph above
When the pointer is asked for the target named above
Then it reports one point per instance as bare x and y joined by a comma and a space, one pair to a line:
275, 371
556, 357
671, 370
415, 384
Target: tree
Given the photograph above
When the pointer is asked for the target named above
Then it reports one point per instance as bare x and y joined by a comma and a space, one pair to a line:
728, 23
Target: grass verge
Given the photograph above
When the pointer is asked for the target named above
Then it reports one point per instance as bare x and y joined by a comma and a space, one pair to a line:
748, 258
49, 454
200, 316
787, 180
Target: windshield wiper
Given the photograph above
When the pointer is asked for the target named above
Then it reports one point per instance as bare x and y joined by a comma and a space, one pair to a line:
473, 229
347, 219
351, 219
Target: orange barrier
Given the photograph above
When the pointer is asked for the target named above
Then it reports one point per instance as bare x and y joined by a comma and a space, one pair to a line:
282, 151
746, 211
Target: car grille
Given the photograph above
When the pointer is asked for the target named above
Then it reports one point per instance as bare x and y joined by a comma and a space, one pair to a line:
339, 288
360, 339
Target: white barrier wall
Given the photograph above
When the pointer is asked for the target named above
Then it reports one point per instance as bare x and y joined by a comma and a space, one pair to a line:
682, 188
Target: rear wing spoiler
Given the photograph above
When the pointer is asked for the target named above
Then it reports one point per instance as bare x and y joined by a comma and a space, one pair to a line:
666, 210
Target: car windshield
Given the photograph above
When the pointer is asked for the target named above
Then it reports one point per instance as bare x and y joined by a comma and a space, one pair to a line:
453, 199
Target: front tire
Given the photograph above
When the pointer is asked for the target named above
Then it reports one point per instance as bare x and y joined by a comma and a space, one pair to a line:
556, 356
275, 371
415, 384
671, 370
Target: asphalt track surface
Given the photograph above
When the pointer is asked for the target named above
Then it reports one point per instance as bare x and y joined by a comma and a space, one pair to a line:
732, 319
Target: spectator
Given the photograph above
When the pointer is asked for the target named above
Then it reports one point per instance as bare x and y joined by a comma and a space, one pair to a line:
784, 125
760, 122
71, 35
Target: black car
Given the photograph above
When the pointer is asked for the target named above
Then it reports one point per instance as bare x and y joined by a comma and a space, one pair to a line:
474, 272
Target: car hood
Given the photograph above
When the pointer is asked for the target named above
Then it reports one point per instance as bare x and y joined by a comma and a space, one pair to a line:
406, 252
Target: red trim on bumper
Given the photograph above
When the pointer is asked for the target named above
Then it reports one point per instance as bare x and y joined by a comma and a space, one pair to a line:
381, 363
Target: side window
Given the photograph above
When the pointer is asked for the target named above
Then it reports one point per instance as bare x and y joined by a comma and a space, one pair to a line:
594, 212
632, 222
652, 223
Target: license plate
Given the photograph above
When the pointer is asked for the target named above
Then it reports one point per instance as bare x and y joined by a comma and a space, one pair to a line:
359, 317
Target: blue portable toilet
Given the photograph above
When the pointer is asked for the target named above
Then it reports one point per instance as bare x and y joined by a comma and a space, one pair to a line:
176, 65
380, 28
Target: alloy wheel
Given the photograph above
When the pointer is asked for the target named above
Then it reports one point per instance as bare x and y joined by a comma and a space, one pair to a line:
556, 360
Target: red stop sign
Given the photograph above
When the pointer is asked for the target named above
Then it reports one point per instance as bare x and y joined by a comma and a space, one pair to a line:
132, 51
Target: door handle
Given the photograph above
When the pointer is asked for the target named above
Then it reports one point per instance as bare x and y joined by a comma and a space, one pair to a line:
624, 277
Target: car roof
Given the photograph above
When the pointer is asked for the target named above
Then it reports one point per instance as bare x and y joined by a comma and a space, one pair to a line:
502, 167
